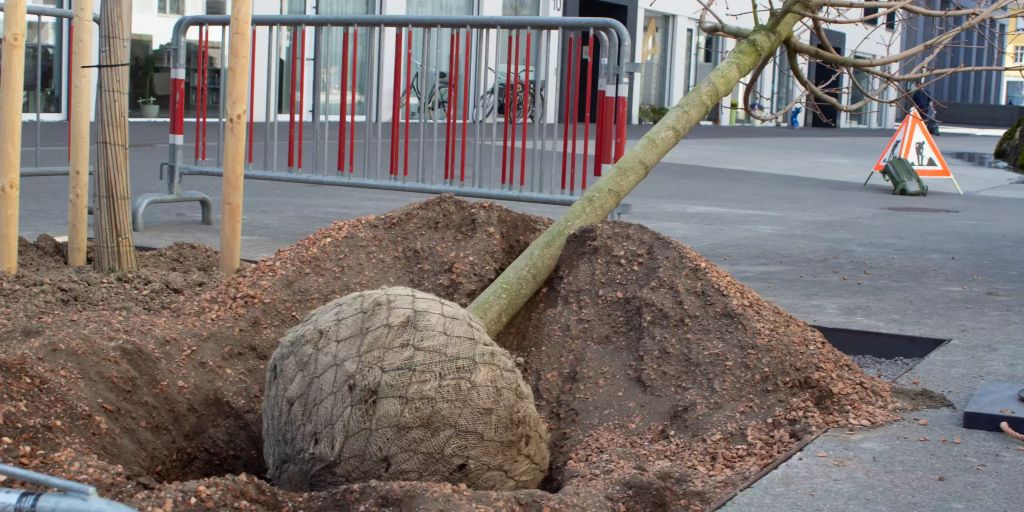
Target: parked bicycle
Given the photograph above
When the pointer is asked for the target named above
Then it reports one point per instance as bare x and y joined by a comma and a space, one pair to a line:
434, 100
494, 97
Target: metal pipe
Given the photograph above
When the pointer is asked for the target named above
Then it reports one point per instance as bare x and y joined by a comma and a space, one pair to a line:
511, 22
318, 42
220, 98
39, 82
424, 188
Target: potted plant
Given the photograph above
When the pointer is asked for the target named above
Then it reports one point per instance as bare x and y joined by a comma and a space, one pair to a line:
147, 103
149, 107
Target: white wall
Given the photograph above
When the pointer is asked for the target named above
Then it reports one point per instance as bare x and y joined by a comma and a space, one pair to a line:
866, 41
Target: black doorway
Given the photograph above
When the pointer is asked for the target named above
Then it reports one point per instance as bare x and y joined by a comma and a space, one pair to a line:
615, 9
827, 78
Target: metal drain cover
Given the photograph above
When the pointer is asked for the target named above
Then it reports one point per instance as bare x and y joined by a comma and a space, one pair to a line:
919, 209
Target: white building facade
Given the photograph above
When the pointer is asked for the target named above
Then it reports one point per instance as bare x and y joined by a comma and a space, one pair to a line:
672, 52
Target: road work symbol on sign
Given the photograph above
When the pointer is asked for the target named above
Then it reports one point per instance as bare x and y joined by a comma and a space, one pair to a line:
913, 143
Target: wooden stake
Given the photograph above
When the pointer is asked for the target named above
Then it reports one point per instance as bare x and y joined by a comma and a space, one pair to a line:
13, 73
81, 94
115, 248
234, 138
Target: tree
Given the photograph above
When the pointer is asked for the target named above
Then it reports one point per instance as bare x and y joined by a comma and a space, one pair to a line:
115, 247
755, 49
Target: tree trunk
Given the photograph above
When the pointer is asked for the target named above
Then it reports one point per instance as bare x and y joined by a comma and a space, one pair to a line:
234, 138
510, 291
80, 116
115, 249
11, 86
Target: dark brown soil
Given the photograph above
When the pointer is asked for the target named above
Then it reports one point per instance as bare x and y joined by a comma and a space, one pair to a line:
665, 383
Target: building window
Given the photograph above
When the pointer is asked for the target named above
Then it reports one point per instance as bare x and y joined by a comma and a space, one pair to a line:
1015, 93
655, 69
216, 7
870, 11
1018, 54
890, 20
175, 7
1020, 24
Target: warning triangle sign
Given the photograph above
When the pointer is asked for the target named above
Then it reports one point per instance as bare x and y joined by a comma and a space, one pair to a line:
913, 143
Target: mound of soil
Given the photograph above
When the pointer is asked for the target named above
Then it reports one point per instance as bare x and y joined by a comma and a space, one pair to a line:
664, 382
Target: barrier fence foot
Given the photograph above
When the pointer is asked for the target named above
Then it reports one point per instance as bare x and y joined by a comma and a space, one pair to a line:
143, 202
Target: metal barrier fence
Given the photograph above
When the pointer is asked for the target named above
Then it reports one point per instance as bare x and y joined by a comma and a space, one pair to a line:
42, 60
486, 107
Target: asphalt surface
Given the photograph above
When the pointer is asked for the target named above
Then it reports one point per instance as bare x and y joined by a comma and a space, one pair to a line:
786, 213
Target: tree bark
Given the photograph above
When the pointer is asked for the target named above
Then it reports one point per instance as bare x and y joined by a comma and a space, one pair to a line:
115, 248
510, 291
234, 137
78, 177
13, 73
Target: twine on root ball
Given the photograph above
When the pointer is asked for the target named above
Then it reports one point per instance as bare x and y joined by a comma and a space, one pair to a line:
397, 384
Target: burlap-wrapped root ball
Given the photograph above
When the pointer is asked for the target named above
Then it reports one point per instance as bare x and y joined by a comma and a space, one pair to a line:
397, 384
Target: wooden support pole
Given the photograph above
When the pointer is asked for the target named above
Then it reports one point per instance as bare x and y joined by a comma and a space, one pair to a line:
81, 102
11, 85
115, 247
234, 138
